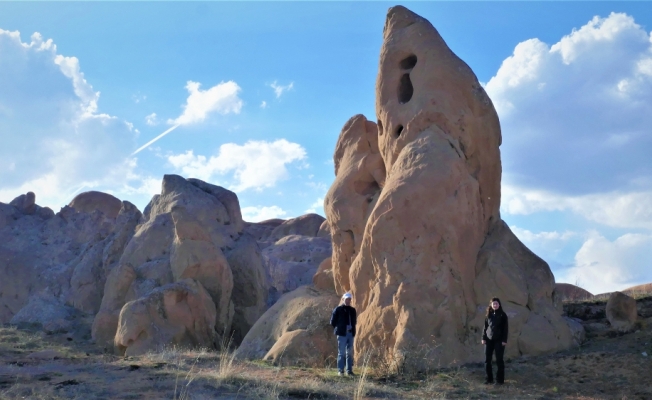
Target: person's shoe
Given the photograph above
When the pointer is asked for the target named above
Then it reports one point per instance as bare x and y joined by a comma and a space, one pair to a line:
340, 373
350, 373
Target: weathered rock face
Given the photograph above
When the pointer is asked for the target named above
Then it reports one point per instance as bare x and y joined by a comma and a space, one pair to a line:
360, 173
292, 262
621, 311
181, 313
305, 225
90, 201
295, 330
261, 231
417, 234
63, 258
192, 230
323, 279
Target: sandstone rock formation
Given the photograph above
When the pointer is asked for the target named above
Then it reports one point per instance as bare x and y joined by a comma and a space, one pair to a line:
414, 213
305, 225
568, 292
180, 313
621, 312
91, 201
323, 279
295, 330
192, 232
261, 231
52, 261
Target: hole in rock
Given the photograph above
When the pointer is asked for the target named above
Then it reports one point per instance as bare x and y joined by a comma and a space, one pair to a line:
405, 89
409, 62
399, 130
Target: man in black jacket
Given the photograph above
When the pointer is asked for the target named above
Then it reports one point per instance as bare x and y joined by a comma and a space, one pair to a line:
344, 319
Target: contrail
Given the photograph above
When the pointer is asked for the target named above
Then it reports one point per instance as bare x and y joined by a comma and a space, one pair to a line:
143, 147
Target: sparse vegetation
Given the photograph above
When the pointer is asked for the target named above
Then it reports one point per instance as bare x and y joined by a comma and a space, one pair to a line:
605, 367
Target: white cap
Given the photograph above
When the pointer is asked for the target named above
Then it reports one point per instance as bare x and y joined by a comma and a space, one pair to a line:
347, 295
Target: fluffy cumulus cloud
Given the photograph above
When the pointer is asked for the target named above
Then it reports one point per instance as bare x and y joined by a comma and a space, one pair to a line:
221, 98
576, 115
54, 140
544, 243
602, 265
254, 165
262, 213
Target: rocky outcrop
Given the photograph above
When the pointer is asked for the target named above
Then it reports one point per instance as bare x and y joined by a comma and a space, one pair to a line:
414, 213
191, 232
63, 258
323, 279
261, 231
621, 312
91, 201
305, 225
292, 262
295, 330
180, 313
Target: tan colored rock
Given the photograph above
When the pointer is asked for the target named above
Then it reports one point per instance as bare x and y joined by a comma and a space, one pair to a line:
97, 201
568, 292
306, 310
360, 173
194, 255
621, 312
181, 314
305, 225
261, 231
301, 347
116, 287
426, 249
323, 278
324, 230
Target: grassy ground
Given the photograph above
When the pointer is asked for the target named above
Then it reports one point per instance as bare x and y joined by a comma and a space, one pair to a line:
606, 367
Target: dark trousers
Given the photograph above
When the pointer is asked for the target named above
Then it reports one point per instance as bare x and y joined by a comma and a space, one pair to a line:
489, 348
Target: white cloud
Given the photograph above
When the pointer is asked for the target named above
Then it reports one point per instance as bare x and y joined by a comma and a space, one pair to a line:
615, 209
53, 139
317, 207
221, 98
263, 105
544, 244
260, 213
576, 115
280, 89
255, 165
151, 119
602, 265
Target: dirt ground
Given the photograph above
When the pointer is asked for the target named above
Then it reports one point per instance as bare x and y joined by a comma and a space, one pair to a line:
34, 365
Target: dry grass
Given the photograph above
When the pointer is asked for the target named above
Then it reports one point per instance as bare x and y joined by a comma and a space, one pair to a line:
201, 374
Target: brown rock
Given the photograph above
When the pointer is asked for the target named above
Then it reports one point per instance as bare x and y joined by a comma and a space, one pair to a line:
360, 173
181, 313
621, 312
323, 278
568, 292
194, 255
97, 201
302, 347
116, 287
324, 230
305, 225
25, 203
424, 247
306, 310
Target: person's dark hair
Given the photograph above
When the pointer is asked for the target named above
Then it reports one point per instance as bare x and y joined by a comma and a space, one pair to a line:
490, 310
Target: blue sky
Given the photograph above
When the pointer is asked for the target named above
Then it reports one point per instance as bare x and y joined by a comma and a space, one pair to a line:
258, 93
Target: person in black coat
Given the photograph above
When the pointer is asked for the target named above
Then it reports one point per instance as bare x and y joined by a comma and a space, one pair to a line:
344, 319
494, 338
